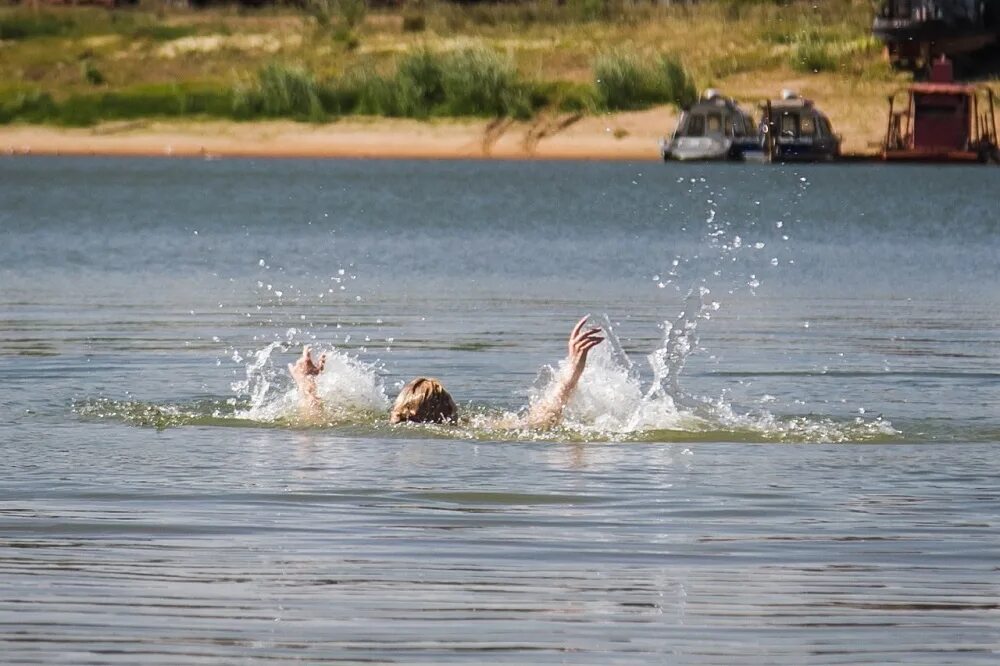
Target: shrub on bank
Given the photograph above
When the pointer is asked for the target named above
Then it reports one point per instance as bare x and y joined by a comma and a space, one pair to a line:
625, 82
811, 54
25, 25
280, 91
422, 84
471, 82
141, 102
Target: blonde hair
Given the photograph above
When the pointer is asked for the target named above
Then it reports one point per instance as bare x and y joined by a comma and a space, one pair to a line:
423, 400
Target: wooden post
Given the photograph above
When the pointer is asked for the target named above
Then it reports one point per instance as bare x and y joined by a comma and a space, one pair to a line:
888, 128
993, 117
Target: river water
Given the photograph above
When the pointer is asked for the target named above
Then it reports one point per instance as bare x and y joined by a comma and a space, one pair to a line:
786, 453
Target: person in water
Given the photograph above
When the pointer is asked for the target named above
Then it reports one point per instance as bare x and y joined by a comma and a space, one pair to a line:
425, 400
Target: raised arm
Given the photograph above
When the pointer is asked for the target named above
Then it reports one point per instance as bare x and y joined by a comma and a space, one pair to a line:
547, 412
304, 372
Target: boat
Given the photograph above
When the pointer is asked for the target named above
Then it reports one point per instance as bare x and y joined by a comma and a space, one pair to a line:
943, 121
917, 32
794, 130
713, 128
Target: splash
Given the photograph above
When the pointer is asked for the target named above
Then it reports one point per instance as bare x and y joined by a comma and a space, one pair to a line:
348, 388
613, 401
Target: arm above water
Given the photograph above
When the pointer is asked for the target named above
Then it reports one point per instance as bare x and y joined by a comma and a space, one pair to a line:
304, 372
547, 412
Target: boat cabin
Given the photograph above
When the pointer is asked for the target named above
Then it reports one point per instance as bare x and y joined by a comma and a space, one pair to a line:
714, 128
795, 130
942, 121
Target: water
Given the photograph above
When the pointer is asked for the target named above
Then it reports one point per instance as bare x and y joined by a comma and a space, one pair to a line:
790, 457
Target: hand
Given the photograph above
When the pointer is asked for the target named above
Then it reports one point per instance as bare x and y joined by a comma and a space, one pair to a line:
582, 341
304, 368
547, 412
304, 372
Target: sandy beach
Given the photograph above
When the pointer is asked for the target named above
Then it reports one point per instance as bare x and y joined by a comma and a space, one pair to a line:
621, 136
610, 136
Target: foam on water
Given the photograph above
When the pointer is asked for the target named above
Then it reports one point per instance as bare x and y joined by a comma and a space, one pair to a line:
348, 387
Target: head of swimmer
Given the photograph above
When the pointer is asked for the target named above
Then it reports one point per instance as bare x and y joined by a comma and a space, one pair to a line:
423, 400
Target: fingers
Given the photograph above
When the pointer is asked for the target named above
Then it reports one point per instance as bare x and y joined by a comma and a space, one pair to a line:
322, 363
586, 342
586, 335
579, 326
307, 353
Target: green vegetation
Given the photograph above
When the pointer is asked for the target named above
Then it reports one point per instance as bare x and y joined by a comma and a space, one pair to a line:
626, 81
427, 59
24, 25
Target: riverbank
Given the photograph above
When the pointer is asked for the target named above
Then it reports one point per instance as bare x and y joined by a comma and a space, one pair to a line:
611, 136
435, 81
625, 136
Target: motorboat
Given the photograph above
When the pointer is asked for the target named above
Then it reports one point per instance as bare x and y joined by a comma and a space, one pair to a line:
794, 130
713, 128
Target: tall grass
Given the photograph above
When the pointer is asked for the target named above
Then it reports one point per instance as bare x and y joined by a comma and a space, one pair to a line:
24, 25
140, 102
626, 81
810, 53
280, 91
469, 82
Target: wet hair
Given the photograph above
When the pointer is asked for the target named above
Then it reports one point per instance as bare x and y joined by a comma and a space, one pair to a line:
423, 400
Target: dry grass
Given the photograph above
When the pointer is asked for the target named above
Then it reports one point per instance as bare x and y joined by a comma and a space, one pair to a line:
750, 49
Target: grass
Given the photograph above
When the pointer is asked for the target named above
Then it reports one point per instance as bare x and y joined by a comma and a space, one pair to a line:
627, 81
425, 59
19, 25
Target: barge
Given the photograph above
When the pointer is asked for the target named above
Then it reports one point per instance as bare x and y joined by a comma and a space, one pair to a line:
942, 121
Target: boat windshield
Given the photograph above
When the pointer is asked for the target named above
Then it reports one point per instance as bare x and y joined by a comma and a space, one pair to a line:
702, 124
807, 126
788, 125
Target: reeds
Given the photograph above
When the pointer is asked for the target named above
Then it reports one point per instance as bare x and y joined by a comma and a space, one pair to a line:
279, 91
625, 80
475, 82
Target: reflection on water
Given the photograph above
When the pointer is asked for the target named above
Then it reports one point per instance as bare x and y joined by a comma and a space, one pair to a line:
783, 455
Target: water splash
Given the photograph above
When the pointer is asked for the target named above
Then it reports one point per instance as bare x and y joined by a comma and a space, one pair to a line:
348, 387
611, 400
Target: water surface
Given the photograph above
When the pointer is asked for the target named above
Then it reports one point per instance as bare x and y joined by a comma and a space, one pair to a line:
807, 474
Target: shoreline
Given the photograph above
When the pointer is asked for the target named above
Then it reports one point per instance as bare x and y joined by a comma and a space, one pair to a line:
631, 136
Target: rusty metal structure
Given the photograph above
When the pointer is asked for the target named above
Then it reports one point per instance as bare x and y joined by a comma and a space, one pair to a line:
917, 32
943, 121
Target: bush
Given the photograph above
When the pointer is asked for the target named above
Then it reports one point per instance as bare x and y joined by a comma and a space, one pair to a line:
812, 55
479, 82
420, 84
590, 10
565, 96
32, 107
414, 23
474, 82
625, 82
346, 36
280, 91
91, 74
352, 12
22, 25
